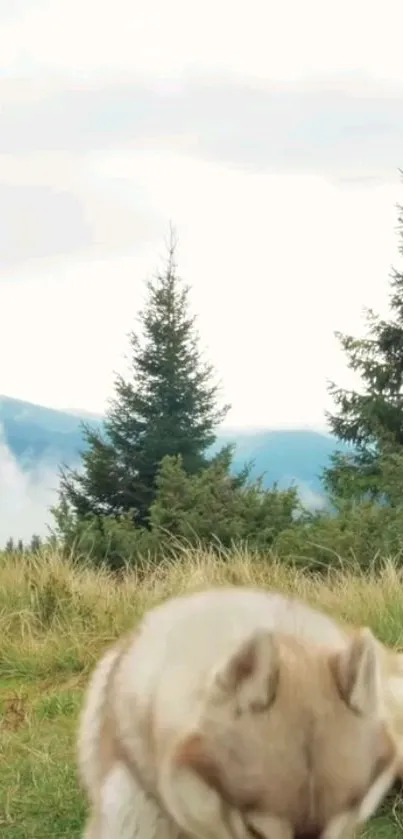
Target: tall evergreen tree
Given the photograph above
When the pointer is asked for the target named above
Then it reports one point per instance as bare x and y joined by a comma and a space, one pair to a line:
370, 420
167, 407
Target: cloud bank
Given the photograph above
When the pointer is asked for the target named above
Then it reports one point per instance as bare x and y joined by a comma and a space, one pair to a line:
326, 126
25, 497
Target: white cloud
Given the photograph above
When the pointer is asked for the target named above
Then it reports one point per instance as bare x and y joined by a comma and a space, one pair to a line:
276, 261
310, 500
25, 497
276, 264
348, 130
50, 205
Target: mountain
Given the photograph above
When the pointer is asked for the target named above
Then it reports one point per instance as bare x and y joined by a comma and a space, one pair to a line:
35, 434
38, 436
284, 456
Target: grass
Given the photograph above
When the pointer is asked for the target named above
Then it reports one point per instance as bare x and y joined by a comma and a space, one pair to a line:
56, 617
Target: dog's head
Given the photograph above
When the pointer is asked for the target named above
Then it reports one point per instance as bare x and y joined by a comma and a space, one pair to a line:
294, 738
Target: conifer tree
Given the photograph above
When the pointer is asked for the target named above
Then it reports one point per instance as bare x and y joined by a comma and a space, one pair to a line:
370, 420
168, 406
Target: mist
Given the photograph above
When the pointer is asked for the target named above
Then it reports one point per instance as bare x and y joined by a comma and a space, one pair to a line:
25, 497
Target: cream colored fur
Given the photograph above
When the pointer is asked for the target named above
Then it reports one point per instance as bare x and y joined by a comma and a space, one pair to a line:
238, 714
392, 679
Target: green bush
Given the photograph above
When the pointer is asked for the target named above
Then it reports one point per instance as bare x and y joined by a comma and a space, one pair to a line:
360, 535
210, 508
213, 506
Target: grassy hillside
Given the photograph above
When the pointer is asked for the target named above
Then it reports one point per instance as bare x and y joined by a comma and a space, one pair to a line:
56, 618
35, 434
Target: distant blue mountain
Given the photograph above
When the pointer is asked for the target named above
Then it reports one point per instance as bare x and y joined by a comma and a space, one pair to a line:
284, 456
36, 435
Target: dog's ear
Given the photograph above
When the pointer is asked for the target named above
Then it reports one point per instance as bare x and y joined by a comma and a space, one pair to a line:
249, 676
357, 673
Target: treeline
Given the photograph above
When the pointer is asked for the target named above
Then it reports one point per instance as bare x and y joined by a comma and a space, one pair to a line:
18, 547
146, 481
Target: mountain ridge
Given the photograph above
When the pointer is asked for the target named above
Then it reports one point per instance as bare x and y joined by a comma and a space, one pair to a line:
37, 435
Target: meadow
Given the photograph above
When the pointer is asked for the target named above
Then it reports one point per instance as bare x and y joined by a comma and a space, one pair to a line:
56, 617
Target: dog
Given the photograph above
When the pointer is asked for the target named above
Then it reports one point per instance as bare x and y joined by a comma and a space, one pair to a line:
239, 714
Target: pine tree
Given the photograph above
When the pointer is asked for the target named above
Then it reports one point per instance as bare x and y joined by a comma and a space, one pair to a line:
35, 544
167, 407
370, 420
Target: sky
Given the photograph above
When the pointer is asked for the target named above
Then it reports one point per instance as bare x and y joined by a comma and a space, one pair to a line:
270, 134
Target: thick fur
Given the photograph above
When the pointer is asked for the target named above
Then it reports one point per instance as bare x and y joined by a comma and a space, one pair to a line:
238, 714
392, 679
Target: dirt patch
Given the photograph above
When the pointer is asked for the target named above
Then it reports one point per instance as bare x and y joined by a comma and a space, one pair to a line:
14, 712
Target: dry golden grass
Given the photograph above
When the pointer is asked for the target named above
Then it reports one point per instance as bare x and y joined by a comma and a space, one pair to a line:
57, 616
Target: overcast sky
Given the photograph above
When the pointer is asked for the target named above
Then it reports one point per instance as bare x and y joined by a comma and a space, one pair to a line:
269, 133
